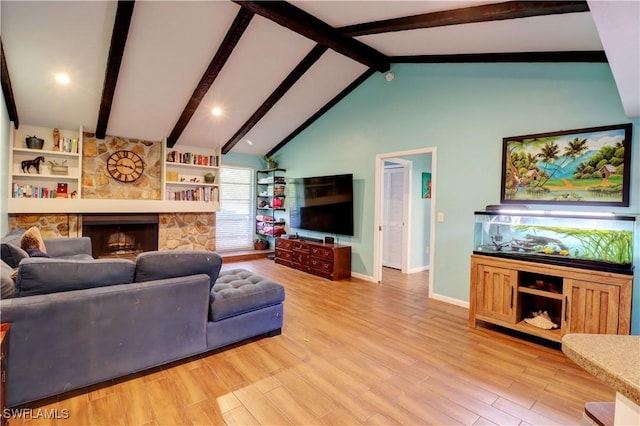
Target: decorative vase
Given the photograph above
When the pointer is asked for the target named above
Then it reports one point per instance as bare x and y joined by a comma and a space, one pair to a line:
209, 178
260, 244
34, 142
59, 170
56, 139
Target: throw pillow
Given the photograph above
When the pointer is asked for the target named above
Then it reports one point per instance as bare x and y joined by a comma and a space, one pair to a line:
8, 285
12, 254
34, 252
32, 240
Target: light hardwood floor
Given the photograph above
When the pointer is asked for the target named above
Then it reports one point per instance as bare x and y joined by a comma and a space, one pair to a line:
351, 352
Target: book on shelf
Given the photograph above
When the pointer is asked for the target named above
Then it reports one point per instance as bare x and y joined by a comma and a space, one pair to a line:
193, 159
33, 191
193, 194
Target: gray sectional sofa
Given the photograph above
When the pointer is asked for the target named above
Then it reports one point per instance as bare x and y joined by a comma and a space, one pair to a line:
79, 321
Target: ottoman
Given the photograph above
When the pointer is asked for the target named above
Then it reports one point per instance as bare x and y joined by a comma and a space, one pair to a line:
252, 304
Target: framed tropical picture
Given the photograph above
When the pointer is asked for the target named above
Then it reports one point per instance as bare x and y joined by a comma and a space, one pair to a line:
426, 185
580, 167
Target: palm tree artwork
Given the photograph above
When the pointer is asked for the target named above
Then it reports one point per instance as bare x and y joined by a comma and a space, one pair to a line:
587, 166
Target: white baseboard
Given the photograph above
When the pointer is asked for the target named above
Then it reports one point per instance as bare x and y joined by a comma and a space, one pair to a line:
363, 277
419, 269
450, 300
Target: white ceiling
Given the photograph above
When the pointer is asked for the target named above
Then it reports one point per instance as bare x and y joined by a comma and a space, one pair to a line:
171, 43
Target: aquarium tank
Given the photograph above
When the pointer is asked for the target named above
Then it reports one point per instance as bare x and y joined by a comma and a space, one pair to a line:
602, 241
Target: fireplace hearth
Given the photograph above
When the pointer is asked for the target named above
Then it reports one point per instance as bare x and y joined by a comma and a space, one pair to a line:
121, 235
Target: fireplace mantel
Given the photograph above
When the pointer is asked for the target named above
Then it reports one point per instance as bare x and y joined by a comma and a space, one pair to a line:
72, 205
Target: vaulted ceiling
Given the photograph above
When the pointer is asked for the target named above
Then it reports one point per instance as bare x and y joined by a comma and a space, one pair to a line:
156, 69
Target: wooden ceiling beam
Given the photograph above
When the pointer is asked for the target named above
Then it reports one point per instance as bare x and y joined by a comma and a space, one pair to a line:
309, 26
7, 90
350, 88
595, 56
119, 36
304, 65
231, 39
467, 15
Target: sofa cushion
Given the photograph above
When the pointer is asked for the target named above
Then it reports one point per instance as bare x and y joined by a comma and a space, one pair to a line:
157, 265
237, 291
10, 250
79, 256
8, 289
43, 276
69, 248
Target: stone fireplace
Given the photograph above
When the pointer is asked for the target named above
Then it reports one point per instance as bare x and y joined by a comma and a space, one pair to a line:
176, 231
121, 235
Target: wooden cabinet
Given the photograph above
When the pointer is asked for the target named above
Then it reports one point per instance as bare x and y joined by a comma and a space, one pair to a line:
496, 292
592, 308
504, 292
325, 260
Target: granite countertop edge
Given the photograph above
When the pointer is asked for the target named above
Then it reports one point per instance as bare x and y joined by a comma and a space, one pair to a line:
610, 373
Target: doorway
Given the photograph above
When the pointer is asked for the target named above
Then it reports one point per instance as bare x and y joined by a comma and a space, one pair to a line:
394, 213
412, 225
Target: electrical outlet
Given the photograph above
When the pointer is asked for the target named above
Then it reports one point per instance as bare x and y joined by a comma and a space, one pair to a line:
440, 217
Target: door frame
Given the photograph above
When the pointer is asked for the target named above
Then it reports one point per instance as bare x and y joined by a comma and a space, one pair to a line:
407, 170
377, 215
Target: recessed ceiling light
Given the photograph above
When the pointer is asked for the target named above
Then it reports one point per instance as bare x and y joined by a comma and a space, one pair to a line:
249, 142
62, 78
216, 111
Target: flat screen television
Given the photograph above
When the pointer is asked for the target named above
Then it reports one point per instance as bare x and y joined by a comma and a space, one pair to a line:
322, 204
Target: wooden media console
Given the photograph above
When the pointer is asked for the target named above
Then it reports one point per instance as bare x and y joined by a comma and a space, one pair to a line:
329, 261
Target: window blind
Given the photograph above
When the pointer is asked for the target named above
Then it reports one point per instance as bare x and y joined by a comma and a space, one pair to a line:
234, 221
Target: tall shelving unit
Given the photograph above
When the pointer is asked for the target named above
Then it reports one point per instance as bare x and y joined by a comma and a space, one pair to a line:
270, 204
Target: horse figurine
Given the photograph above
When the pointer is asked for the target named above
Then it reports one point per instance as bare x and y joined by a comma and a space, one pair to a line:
27, 164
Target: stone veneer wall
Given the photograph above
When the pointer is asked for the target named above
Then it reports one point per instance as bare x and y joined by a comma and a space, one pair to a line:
176, 231
98, 183
50, 225
187, 231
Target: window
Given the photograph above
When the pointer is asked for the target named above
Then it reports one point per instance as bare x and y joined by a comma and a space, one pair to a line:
234, 221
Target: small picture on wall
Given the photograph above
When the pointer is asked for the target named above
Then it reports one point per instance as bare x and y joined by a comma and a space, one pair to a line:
426, 185
581, 167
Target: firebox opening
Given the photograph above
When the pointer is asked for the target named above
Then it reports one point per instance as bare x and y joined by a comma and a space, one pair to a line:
120, 235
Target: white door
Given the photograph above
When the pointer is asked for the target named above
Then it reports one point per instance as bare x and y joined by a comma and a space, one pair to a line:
392, 216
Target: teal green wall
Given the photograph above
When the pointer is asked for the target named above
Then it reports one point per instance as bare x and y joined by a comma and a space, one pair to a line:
245, 160
464, 110
4, 166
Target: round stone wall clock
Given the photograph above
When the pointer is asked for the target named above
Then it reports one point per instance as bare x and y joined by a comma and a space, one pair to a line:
125, 166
